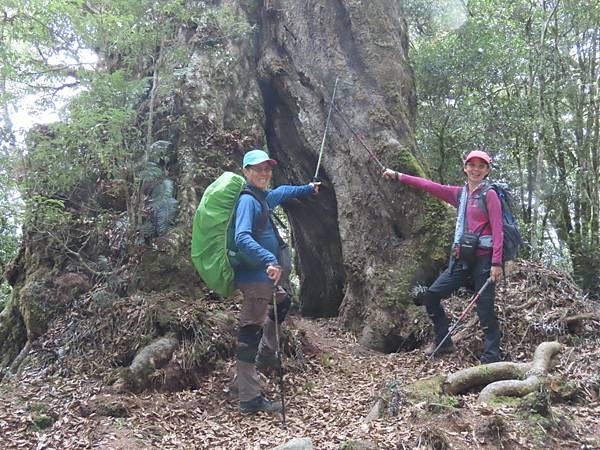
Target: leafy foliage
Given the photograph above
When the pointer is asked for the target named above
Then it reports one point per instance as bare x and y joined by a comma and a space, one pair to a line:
520, 80
9, 209
113, 53
92, 141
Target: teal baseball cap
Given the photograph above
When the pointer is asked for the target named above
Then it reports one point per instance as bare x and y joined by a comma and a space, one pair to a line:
256, 157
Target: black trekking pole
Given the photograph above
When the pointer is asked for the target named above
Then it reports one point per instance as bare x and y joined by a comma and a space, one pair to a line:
460, 318
316, 177
279, 359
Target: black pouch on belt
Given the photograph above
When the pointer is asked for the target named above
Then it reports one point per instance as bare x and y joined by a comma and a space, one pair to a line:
467, 247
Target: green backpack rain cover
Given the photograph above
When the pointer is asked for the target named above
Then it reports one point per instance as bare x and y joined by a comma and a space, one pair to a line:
210, 232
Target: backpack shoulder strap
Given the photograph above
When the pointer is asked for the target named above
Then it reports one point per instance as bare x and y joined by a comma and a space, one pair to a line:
261, 223
265, 215
483, 202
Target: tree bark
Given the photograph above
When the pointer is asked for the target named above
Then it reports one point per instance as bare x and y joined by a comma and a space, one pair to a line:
361, 243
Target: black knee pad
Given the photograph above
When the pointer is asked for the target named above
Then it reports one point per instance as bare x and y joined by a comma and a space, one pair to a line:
425, 297
248, 340
282, 309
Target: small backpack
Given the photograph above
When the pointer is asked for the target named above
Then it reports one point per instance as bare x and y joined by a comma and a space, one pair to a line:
214, 252
512, 235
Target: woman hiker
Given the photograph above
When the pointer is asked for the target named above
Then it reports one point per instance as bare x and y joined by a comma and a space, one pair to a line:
473, 224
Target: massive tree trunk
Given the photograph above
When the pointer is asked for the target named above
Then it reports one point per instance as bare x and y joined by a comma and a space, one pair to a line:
362, 243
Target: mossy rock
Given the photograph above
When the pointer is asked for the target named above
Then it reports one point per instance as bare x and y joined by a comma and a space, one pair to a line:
358, 445
537, 402
563, 390
430, 390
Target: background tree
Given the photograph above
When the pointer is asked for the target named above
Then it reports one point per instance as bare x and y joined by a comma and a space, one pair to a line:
521, 80
8, 220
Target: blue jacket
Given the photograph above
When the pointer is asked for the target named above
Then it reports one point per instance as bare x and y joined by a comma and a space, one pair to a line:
264, 247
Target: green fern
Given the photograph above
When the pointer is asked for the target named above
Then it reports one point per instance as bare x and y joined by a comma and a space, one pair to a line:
151, 171
162, 211
164, 206
159, 151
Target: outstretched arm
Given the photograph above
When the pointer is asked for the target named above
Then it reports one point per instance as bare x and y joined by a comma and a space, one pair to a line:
449, 194
282, 193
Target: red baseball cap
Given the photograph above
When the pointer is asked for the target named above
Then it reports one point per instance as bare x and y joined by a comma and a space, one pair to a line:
479, 154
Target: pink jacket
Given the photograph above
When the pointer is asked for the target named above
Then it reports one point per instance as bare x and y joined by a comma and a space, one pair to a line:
477, 221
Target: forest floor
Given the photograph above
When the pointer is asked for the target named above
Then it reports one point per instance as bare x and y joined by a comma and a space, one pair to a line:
330, 387
326, 402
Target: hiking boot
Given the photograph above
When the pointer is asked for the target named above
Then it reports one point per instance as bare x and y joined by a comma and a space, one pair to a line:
447, 348
258, 404
266, 361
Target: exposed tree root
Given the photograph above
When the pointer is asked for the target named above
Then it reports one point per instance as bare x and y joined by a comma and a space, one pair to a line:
575, 323
505, 378
17, 362
152, 357
465, 379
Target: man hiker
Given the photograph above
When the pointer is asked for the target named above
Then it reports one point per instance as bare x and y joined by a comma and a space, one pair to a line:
476, 251
260, 242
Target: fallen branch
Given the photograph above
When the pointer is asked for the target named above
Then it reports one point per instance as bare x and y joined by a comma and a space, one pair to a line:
505, 378
581, 317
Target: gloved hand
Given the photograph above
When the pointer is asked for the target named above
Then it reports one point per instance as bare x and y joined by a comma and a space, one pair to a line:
419, 295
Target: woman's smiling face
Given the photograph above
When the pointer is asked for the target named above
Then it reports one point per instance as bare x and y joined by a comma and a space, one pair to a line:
476, 169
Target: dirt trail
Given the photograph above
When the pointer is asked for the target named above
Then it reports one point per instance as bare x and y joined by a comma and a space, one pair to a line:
326, 401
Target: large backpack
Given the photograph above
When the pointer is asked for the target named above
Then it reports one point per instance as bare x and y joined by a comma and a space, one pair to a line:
214, 252
512, 235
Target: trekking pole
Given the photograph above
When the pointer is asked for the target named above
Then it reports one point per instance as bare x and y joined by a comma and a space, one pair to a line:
316, 177
461, 317
371, 154
280, 368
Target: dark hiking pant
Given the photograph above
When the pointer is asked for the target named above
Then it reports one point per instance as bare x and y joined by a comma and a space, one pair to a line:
455, 276
256, 333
